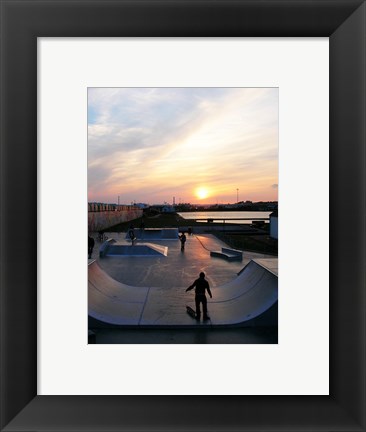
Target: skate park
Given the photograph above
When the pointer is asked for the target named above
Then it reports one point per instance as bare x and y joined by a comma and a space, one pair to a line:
142, 285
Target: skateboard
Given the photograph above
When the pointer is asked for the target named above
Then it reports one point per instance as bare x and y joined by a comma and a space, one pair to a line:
191, 312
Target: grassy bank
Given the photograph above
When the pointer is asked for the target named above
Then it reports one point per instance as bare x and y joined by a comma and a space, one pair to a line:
250, 242
161, 220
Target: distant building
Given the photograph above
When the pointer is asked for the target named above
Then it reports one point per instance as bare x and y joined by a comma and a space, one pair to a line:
142, 205
168, 209
273, 224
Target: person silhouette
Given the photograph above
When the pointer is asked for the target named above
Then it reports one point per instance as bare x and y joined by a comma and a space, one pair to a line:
90, 246
183, 240
201, 285
131, 234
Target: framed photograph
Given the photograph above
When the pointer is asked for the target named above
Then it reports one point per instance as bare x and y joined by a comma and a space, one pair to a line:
177, 222
25, 402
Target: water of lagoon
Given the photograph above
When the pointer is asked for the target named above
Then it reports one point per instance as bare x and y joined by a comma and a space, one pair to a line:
218, 216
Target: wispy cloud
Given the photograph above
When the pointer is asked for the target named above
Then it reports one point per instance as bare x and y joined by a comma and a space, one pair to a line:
151, 144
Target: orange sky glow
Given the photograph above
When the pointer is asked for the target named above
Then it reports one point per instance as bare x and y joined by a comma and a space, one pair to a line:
198, 145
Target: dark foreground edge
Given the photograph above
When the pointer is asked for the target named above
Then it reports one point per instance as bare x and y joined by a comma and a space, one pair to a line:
21, 22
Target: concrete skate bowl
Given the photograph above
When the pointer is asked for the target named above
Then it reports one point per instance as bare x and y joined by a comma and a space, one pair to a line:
145, 250
248, 300
150, 234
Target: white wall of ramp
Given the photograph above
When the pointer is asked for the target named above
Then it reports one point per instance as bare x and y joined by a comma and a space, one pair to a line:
249, 295
112, 302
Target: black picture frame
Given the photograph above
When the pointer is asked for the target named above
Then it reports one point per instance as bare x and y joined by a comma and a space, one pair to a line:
343, 21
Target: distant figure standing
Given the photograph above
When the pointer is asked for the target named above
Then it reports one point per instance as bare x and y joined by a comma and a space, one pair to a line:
131, 234
201, 285
183, 240
142, 227
91, 243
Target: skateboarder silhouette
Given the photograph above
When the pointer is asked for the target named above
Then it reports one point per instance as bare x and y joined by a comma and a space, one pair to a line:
201, 285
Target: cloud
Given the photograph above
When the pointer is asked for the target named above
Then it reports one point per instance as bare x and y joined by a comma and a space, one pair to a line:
166, 139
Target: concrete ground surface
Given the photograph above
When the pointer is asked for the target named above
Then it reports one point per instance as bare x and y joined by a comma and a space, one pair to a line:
178, 270
244, 335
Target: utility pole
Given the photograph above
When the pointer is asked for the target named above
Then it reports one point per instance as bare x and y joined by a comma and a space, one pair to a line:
237, 195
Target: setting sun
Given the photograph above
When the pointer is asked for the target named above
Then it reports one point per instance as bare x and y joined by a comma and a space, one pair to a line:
202, 193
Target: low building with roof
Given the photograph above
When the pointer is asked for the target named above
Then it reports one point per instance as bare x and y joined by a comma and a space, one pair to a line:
273, 224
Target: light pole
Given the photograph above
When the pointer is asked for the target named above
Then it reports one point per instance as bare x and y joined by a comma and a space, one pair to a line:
237, 195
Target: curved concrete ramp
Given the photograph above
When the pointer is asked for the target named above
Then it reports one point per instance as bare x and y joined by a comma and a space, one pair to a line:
144, 250
247, 297
252, 294
112, 302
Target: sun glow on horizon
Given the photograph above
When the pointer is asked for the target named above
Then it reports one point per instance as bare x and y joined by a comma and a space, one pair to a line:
202, 193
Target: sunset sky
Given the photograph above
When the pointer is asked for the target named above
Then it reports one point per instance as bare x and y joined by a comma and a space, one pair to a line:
198, 145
